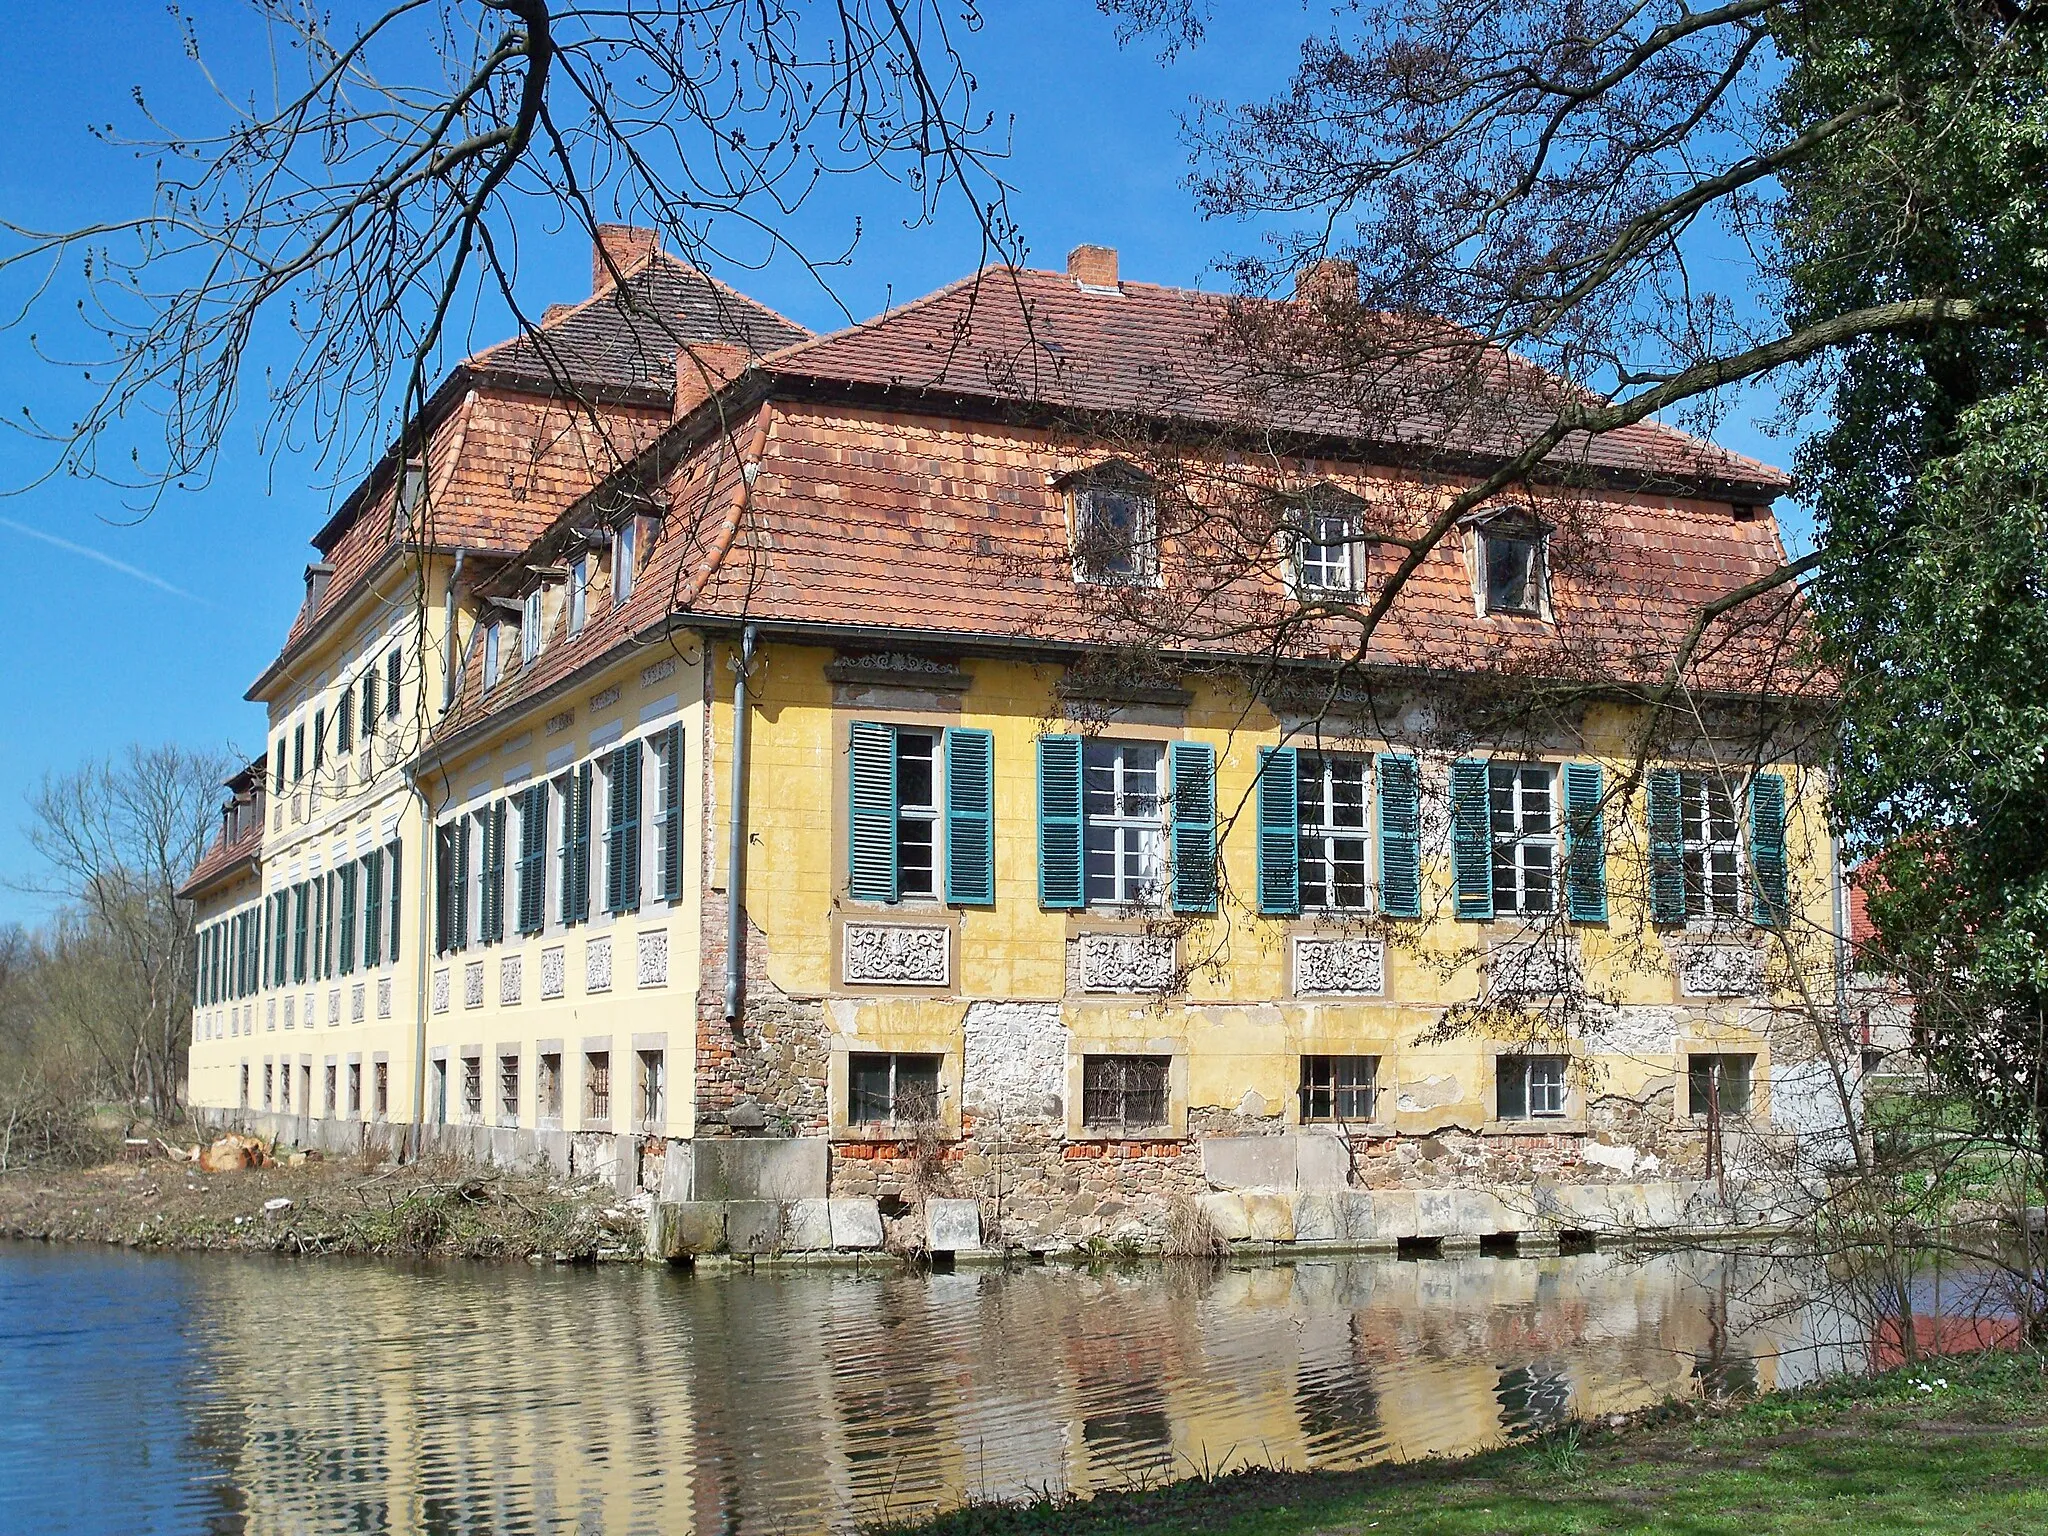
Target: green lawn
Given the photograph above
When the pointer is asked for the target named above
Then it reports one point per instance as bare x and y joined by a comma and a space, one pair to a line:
1867, 1455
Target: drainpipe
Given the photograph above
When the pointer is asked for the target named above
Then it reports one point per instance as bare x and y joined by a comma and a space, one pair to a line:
736, 854
448, 625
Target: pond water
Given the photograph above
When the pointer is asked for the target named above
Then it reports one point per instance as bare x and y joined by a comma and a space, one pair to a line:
165, 1393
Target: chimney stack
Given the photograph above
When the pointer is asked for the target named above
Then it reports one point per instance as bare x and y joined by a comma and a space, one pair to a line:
1327, 282
1093, 266
628, 245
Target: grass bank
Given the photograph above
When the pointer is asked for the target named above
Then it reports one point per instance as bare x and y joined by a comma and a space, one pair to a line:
426, 1210
1960, 1445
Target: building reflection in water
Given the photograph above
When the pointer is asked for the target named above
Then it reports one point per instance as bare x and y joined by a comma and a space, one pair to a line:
370, 1398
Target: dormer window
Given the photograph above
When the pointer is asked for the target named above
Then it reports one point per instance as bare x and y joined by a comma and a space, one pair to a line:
1115, 529
1326, 529
579, 593
529, 626
1511, 567
412, 487
492, 657
625, 549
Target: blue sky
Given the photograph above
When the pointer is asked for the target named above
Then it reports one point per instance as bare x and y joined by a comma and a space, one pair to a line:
118, 629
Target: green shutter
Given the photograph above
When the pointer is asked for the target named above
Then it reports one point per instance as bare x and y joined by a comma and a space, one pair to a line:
970, 818
348, 921
622, 835
1399, 801
373, 909
1585, 847
1667, 848
1768, 875
299, 933
1060, 879
458, 920
1279, 832
871, 823
492, 896
672, 814
397, 926
1471, 838
1193, 767
533, 846
576, 845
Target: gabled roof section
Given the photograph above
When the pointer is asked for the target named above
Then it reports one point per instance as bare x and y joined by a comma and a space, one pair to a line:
1020, 337
625, 338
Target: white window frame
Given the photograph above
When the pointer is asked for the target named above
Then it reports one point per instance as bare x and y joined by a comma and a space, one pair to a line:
1142, 834
1144, 542
531, 634
579, 594
1556, 1088
1320, 834
1314, 523
625, 560
1515, 842
1699, 845
927, 816
493, 655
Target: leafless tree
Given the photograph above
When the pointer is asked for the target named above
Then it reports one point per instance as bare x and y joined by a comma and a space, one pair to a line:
118, 838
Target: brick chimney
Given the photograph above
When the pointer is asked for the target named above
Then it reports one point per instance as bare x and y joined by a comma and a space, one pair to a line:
1092, 266
1327, 282
628, 245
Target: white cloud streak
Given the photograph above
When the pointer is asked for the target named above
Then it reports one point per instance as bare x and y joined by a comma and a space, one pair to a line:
109, 561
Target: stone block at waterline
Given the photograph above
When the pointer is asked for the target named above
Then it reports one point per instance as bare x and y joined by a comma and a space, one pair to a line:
761, 1168
856, 1224
952, 1226
1250, 1217
753, 1226
684, 1228
806, 1226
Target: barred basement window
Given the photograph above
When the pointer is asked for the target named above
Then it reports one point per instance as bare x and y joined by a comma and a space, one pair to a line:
269, 1083
381, 1087
1335, 1088
892, 1089
245, 1085
508, 1090
1719, 1084
284, 1088
355, 1089
472, 1088
597, 1085
652, 1090
1529, 1087
1123, 1093
331, 1082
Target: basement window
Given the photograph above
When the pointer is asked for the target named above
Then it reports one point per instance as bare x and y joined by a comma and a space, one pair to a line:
330, 1082
892, 1089
653, 1088
1337, 1088
597, 1087
1529, 1087
1123, 1093
381, 1086
548, 1104
472, 1089
1719, 1084
508, 1090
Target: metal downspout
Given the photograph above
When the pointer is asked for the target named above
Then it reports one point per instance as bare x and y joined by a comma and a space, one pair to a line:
736, 853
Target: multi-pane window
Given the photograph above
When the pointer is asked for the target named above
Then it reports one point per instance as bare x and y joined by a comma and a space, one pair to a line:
917, 812
1524, 826
898, 1088
1529, 1087
1114, 540
1719, 1084
1125, 837
1324, 553
1707, 819
548, 1100
508, 1090
473, 1088
1335, 1088
1511, 571
1331, 800
529, 626
625, 551
653, 1088
1123, 1093
597, 1085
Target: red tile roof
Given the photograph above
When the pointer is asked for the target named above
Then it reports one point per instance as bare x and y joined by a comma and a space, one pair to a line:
226, 855
1031, 337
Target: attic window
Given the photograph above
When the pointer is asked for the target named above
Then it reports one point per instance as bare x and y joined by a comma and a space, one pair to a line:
1326, 530
625, 550
492, 658
1115, 531
529, 626
412, 486
1512, 570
